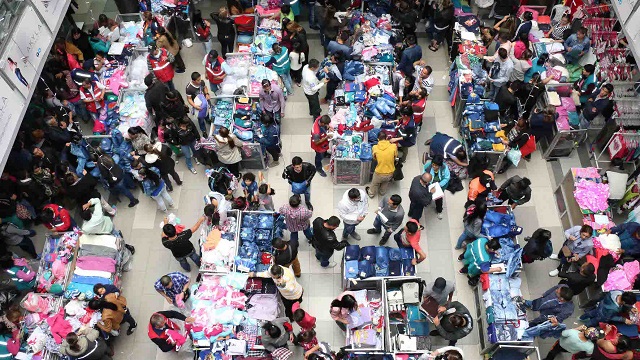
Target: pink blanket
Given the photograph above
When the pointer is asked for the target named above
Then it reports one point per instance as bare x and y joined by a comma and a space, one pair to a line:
592, 196
96, 263
622, 277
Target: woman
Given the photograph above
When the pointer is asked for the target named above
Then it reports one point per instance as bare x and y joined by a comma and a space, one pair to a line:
149, 27
187, 136
613, 346
270, 139
538, 246
202, 28
448, 353
229, 150
521, 44
114, 312
174, 106
487, 36
538, 66
520, 65
541, 122
286, 41
86, 345
297, 60
443, 19
139, 139
341, 307
226, 30
276, 334
329, 26
574, 341
154, 187
159, 156
558, 30
525, 26
299, 34
165, 40
472, 220
517, 137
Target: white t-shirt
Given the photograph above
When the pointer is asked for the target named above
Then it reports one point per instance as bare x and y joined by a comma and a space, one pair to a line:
296, 60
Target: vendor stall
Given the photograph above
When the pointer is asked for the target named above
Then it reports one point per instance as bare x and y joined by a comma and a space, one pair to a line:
481, 131
39, 311
257, 230
219, 244
57, 262
133, 111
367, 330
347, 165
130, 28
407, 326
137, 69
375, 262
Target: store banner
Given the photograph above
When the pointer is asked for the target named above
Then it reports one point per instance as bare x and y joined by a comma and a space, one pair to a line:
52, 11
11, 106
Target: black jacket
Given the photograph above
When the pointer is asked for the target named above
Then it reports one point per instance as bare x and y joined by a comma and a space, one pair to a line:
576, 281
516, 194
175, 109
84, 190
57, 137
447, 330
446, 17
154, 96
163, 344
286, 256
111, 174
325, 240
419, 194
83, 44
188, 135
165, 163
226, 28
307, 173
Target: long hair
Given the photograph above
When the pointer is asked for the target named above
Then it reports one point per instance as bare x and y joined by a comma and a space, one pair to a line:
224, 133
479, 212
163, 31
151, 175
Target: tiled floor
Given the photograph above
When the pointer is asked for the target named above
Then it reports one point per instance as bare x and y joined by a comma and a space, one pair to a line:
140, 225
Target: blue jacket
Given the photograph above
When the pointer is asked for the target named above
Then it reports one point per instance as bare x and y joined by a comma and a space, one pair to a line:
409, 56
408, 134
270, 136
594, 102
608, 309
333, 47
149, 187
630, 244
444, 174
548, 304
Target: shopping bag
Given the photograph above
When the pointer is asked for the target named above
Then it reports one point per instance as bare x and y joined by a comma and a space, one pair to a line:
514, 155
529, 147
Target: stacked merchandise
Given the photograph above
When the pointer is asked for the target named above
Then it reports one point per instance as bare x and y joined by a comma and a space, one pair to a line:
245, 28
506, 320
131, 33
246, 119
591, 194
373, 42
133, 112
57, 260
114, 77
366, 326
137, 70
256, 74
467, 75
78, 314
375, 261
408, 326
239, 75
43, 325
218, 245
223, 112
561, 98
481, 127
501, 225
269, 32
256, 233
99, 260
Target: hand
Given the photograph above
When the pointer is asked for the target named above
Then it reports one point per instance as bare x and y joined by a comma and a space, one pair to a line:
169, 300
594, 109
14, 196
360, 218
572, 238
554, 321
377, 211
252, 274
86, 206
67, 144
620, 251
436, 321
84, 172
197, 108
569, 49
581, 53
433, 190
281, 115
291, 337
608, 231
628, 322
414, 261
189, 320
513, 206
441, 309
326, 70
325, 80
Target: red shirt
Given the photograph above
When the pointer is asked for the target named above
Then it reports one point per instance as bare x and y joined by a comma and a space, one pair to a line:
308, 321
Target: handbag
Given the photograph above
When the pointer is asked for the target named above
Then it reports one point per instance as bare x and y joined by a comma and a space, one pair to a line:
397, 173
299, 188
529, 146
514, 155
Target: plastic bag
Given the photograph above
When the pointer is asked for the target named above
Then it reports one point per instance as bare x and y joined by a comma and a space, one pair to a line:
514, 156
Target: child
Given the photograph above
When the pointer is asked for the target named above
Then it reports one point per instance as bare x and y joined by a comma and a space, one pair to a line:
101, 290
250, 187
307, 339
297, 59
302, 318
264, 194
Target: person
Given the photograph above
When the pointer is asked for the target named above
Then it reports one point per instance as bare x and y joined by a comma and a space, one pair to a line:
579, 280
448, 353
96, 42
249, 186
102, 290
286, 254
98, 64
406, 130
578, 243
180, 244
303, 318
297, 218
311, 87
440, 174
611, 308
265, 194
419, 195
117, 180
385, 154
158, 155
576, 46
154, 187
443, 21
320, 141
216, 69
472, 221
574, 341
613, 346
81, 40
272, 100
538, 66
149, 27
538, 246
452, 323
417, 100
229, 150
226, 30
281, 65
297, 59
520, 45
202, 30
299, 174
595, 105
352, 208
276, 334
341, 307
56, 218
160, 322
410, 55
477, 257
92, 95
174, 106
334, 73
409, 237
440, 291
499, 73
198, 97
270, 138
423, 77
165, 40
629, 234
340, 45
86, 344
321, 351
448, 147
542, 122
586, 85
154, 95
325, 240
95, 221
113, 308
14, 236
171, 285
558, 30
521, 65
290, 290
104, 21
389, 216
84, 189
516, 190
555, 305
405, 86
160, 64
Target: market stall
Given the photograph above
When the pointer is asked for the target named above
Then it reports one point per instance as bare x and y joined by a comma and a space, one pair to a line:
57, 262
367, 331
481, 130
375, 262
219, 244
407, 326
257, 230
38, 312
133, 111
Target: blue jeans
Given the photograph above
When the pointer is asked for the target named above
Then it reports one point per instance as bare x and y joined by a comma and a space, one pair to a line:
348, 230
193, 256
286, 79
188, 151
313, 22
465, 236
170, 85
121, 188
323, 257
214, 87
208, 45
202, 125
318, 160
379, 226
293, 237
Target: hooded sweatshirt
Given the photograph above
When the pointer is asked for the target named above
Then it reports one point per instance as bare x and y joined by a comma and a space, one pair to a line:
385, 154
85, 342
350, 211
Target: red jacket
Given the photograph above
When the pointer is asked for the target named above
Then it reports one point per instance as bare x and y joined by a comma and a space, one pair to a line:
89, 94
418, 110
61, 218
162, 68
214, 71
316, 131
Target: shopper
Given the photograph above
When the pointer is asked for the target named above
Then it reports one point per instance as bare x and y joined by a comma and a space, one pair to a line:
477, 258
555, 304
499, 73
92, 95
84, 189
81, 40
174, 106
538, 247
160, 64
154, 187
389, 217
406, 130
95, 221
320, 141
115, 177
297, 60
611, 308
440, 174
325, 240
352, 208
574, 341
577, 45
340, 44
216, 70
154, 96
629, 234
409, 237
180, 243
56, 218
85, 344
440, 291
290, 290
165, 40
423, 77
160, 323
334, 74
114, 311
419, 195
297, 218
229, 150
578, 243
448, 353
321, 351
272, 100
595, 105
472, 221
276, 334
579, 280
187, 136
281, 65
270, 138
97, 43
172, 285
202, 29
159, 156
411, 54
311, 87
286, 255
443, 21
14, 236
452, 323
516, 190
342, 307
198, 97
586, 85
385, 154
226, 30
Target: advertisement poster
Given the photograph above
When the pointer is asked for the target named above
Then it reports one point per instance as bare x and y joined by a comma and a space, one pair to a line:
14, 63
11, 106
52, 11
32, 37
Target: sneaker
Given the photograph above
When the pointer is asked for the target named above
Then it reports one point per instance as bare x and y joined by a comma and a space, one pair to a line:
554, 272
169, 189
369, 193
554, 257
171, 205
331, 265
356, 236
131, 329
134, 203
463, 271
179, 183
321, 172
374, 231
131, 248
197, 162
383, 242
274, 163
460, 257
345, 238
439, 215
193, 170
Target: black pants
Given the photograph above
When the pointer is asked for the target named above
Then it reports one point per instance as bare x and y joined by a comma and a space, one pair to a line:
439, 203
331, 89
175, 177
314, 105
129, 319
226, 45
274, 151
234, 168
504, 197
555, 351
27, 245
296, 75
288, 304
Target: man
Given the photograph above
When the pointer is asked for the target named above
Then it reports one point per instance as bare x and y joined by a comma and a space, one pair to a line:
554, 305
172, 284
419, 195
385, 154
281, 65
297, 219
286, 255
500, 72
506, 99
585, 86
84, 189
97, 63
477, 257
154, 96
179, 244
352, 209
272, 100
300, 173
439, 291
325, 240
424, 77
56, 218
629, 234
595, 105
480, 187
339, 45
194, 89
409, 237
611, 309
217, 69
95, 222
160, 64
410, 55
92, 95
452, 324
577, 281
320, 141
290, 289
388, 216
160, 322
516, 190
576, 46
578, 243
45, 157
311, 87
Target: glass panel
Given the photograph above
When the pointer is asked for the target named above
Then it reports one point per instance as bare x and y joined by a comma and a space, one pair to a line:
9, 11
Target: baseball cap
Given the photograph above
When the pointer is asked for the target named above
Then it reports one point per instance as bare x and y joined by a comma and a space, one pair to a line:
439, 285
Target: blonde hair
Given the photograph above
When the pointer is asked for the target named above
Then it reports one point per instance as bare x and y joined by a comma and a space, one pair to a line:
223, 11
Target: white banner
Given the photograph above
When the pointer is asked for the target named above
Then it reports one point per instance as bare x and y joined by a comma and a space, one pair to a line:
52, 11
11, 106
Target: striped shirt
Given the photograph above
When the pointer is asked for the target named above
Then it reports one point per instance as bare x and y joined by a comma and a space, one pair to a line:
297, 219
558, 31
289, 288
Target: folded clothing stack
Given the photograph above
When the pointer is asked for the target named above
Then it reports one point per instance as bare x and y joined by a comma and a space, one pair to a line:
370, 261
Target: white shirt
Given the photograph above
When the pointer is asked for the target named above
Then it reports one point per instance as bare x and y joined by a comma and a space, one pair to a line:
310, 83
296, 60
426, 83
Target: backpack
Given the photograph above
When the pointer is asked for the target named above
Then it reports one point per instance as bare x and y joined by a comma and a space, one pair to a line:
220, 180
548, 249
495, 69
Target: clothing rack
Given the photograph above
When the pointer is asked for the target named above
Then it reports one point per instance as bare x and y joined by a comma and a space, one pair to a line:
633, 137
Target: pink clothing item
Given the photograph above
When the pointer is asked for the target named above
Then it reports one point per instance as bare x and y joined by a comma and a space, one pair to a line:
589, 172
180, 301
96, 263
59, 327
631, 270
340, 313
617, 280
58, 269
308, 321
214, 330
175, 337
592, 196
